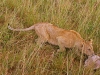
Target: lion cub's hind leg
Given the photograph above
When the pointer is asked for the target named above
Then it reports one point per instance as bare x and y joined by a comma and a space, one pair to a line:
61, 46
41, 41
42, 37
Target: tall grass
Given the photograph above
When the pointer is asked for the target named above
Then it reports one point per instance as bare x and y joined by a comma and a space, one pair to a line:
19, 54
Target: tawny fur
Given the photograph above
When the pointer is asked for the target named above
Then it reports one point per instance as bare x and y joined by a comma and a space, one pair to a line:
47, 32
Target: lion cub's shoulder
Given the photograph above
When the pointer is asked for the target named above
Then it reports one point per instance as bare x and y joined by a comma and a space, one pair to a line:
76, 33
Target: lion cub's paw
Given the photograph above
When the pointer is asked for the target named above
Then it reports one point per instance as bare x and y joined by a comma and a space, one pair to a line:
60, 50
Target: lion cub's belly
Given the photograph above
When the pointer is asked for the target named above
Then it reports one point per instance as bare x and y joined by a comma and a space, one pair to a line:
53, 41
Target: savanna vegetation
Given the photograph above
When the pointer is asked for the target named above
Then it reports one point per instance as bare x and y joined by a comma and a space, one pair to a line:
19, 54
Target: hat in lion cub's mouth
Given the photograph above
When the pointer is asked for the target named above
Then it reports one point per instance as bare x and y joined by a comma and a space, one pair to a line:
92, 62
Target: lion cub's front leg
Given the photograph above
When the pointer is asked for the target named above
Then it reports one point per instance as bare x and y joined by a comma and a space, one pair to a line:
61, 49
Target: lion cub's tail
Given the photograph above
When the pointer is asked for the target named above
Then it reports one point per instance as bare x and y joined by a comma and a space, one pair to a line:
26, 29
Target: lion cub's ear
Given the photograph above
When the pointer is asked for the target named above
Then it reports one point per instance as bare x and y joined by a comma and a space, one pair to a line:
90, 40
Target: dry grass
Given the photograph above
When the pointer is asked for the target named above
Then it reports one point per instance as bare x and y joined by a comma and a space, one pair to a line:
19, 54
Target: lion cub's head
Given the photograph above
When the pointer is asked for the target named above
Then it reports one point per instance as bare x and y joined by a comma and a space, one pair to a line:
88, 48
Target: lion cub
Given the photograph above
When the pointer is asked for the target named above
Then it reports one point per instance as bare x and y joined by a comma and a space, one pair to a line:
47, 32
